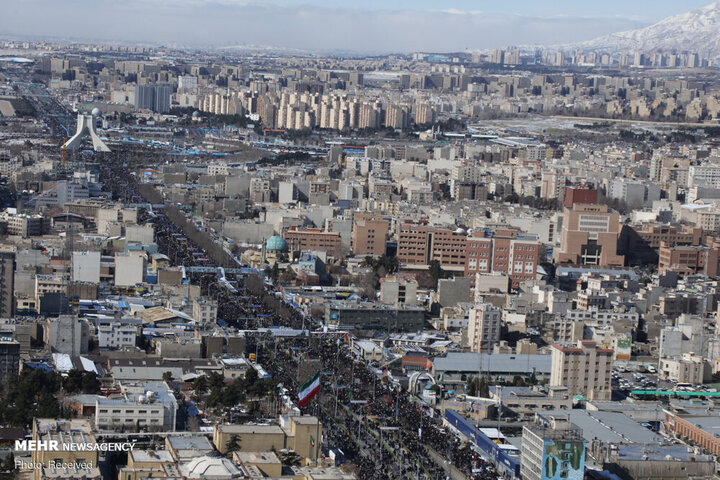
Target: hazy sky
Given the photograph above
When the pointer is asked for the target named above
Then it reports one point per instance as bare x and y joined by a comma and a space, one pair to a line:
368, 26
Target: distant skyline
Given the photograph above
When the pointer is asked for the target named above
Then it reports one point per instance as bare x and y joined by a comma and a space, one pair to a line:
371, 26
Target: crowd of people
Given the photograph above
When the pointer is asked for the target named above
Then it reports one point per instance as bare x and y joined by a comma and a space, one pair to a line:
377, 425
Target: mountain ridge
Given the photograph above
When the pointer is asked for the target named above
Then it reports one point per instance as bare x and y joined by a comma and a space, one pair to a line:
696, 31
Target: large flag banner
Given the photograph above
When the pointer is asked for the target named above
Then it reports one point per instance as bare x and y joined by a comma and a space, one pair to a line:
308, 390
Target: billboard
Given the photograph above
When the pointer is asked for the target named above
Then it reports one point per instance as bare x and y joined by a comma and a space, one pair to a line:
563, 460
624, 347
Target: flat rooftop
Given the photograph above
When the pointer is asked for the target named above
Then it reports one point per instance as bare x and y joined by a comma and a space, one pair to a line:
607, 427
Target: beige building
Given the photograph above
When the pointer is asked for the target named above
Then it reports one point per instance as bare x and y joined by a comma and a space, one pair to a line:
369, 233
484, 327
204, 310
685, 369
83, 464
583, 368
590, 236
398, 289
292, 433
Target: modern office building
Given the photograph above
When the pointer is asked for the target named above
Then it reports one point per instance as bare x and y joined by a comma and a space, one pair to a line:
590, 236
143, 405
153, 97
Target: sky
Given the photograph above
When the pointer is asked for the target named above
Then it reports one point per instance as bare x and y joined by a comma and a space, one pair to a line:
364, 27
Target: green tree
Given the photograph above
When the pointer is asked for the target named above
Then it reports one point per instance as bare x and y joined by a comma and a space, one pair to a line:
251, 376
167, 377
200, 384
30, 394
483, 389
471, 386
216, 380
291, 459
275, 272
90, 383
232, 446
435, 270
72, 383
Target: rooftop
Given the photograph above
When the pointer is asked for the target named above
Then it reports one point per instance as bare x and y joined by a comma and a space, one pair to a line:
496, 362
606, 427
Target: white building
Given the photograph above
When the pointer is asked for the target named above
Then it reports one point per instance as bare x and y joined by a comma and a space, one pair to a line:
117, 335
68, 334
86, 267
141, 406
129, 269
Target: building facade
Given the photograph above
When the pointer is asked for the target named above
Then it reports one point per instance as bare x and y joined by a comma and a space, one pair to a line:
583, 368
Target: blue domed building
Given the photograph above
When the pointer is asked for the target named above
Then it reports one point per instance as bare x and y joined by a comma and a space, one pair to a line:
276, 245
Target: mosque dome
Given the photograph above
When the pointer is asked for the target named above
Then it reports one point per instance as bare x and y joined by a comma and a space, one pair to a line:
96, 112
276, 244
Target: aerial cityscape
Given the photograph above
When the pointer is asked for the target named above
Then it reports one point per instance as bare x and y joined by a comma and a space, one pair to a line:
319, 241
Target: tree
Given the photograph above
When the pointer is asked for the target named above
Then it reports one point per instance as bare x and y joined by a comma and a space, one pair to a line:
167, 377
232, 446
72, 383
435, 270
290, 459
30, 394
216, 380
90, 383
471, 386
275, 272
8, 465
200, 384
483, 388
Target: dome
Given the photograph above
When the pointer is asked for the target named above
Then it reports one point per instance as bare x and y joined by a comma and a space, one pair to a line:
96, 112
196, 114
209, 466
276, 244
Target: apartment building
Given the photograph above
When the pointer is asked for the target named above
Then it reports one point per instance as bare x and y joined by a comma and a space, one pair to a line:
689, 260
369, 234
484, 327
584, 368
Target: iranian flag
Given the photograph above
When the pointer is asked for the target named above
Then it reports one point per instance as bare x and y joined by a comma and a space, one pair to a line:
308, 390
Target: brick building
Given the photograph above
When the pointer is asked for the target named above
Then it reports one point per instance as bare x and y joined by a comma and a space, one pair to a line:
313, 239
504, 251
369, 234
419, 244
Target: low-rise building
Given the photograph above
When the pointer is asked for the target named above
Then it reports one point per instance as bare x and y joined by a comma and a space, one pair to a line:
148, 406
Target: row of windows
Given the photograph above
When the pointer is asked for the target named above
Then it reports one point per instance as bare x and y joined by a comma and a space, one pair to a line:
131, 412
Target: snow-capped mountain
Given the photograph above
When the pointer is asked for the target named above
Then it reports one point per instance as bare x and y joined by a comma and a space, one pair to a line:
697, 31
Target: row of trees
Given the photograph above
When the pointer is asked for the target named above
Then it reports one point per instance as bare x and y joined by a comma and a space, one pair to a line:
222, 395
33, 393
534, 202
480, 386
30, 394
